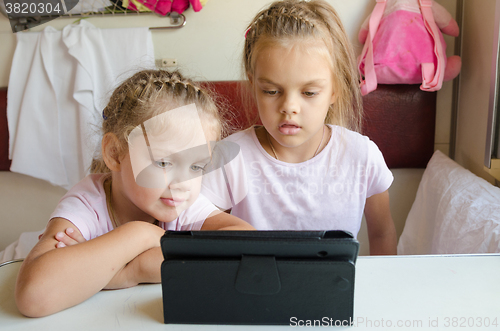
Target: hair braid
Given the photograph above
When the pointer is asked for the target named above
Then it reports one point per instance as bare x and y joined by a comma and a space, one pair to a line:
149, 93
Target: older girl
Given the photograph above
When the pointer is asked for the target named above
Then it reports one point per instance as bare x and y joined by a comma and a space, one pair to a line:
306, 167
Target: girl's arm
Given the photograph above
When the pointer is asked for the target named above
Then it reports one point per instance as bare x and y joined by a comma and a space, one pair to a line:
145, 268
219, 220
381, 230
51, 279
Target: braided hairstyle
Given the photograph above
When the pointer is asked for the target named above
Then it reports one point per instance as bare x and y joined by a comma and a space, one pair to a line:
147, 94
285, 23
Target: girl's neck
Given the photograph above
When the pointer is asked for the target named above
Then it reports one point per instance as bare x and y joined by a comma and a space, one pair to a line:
297, 154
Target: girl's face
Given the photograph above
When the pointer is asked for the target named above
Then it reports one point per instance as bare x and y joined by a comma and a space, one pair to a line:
162, 172
293, 90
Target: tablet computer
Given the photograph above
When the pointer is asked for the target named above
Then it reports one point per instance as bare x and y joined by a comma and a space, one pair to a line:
258, 277
338, 245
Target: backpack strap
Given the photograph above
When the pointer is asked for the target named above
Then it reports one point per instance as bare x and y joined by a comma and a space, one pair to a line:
369, 83
432, 78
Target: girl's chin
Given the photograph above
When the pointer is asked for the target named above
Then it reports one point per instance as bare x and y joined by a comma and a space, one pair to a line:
168, 218
170, 210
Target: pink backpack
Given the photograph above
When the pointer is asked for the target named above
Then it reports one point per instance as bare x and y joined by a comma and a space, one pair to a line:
403, 44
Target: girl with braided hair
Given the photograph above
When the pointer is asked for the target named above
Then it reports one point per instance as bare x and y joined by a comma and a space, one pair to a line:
105, 232
307, 167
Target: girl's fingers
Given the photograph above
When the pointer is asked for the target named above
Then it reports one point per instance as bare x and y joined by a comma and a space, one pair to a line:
68, 238
75, 235
64, 239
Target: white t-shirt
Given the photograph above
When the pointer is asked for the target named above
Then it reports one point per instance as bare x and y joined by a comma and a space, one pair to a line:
327, 192
84, 205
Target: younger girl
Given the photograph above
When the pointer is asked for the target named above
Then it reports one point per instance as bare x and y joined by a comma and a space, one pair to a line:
307, 167
105, 233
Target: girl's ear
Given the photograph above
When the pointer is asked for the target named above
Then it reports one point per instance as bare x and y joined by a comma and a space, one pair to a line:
110, 151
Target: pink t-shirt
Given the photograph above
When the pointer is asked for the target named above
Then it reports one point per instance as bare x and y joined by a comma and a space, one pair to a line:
327, 192
84, 205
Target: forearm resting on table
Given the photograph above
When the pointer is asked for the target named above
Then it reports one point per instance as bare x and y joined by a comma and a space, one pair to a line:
145, 268
53, 279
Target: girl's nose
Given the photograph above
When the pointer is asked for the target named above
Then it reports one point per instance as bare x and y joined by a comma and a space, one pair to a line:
180, 186
290, 105
178, 180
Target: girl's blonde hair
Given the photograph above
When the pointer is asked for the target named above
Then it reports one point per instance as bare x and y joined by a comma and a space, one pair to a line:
284, 22
147, 94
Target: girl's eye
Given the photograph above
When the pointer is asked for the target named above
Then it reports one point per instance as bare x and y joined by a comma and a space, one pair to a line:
310, 94
270, 92
163, 164
196, 168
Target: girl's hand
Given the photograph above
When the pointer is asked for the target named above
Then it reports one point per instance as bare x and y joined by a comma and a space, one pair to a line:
219, 220
69, 237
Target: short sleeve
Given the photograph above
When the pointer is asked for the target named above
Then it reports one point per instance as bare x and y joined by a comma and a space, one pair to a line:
78, 212
379, 176
84, 205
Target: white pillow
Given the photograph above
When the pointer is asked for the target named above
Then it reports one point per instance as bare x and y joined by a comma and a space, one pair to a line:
454, 212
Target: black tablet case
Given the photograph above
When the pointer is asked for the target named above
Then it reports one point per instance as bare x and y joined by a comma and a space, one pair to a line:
258, 277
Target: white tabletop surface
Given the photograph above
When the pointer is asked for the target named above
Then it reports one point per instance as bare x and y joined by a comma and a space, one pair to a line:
457, 292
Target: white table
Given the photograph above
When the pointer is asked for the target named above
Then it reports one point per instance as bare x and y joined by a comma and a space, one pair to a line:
456, 292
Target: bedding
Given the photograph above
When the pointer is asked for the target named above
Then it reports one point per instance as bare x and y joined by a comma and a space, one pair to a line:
455, 212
